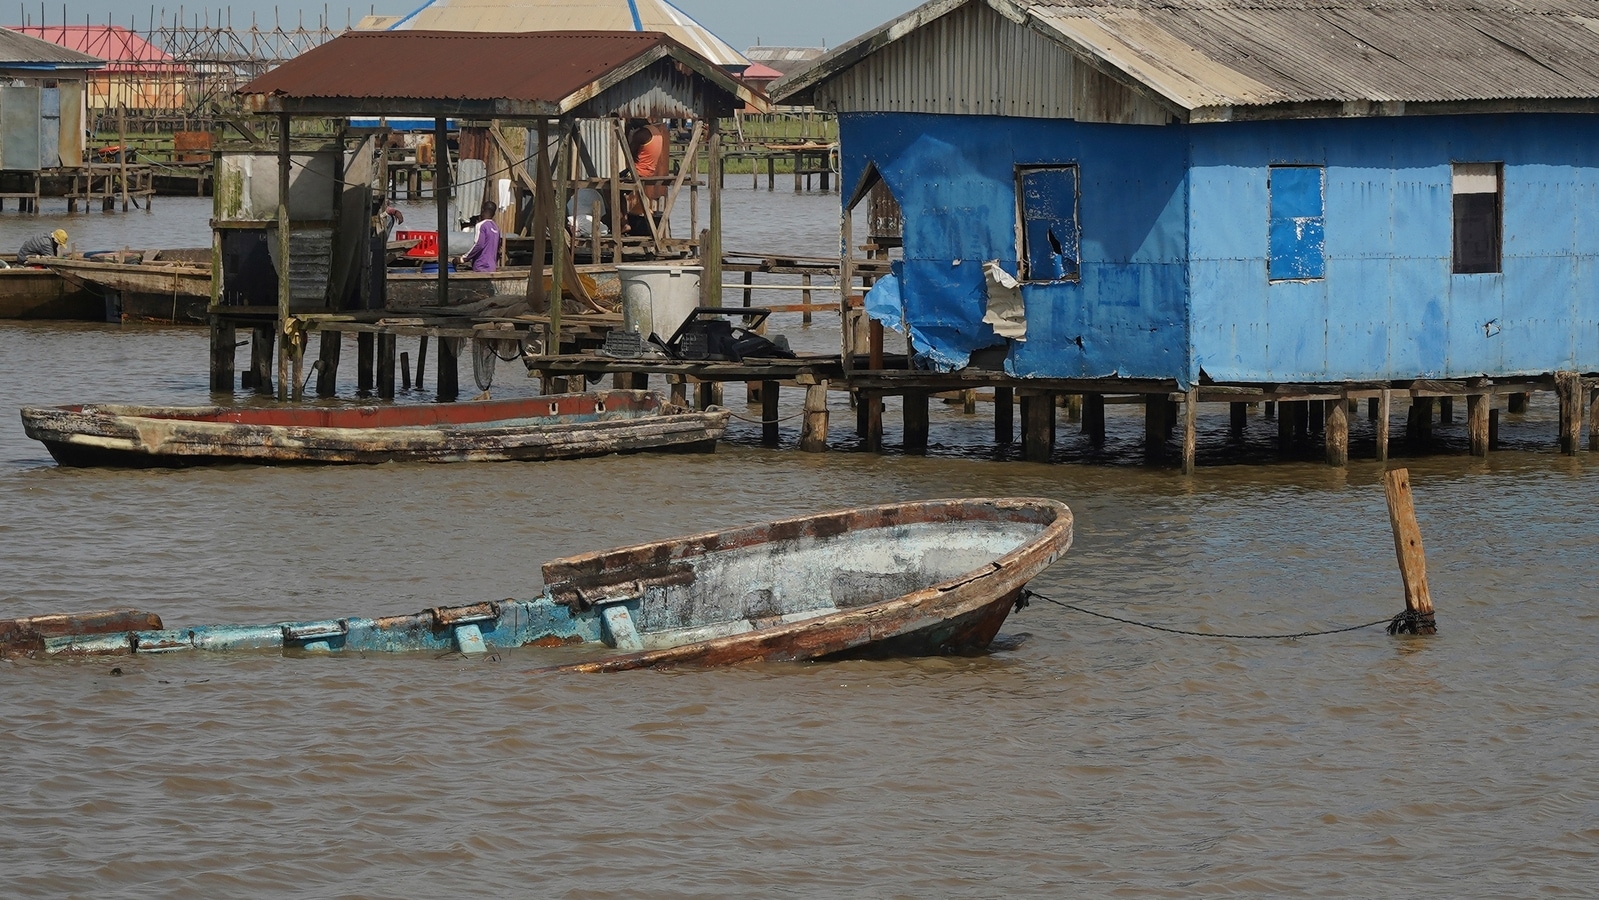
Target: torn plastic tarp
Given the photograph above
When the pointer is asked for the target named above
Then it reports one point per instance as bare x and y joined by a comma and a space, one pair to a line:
1005, 310
884, 303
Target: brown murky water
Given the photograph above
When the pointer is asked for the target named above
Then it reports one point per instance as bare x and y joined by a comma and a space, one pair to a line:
1088, 758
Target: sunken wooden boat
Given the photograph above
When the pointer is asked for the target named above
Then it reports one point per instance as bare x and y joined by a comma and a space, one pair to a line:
560, 426
916, 578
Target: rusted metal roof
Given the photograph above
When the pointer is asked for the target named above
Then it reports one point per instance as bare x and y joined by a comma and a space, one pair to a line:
19, 49
1219, 59
553, 73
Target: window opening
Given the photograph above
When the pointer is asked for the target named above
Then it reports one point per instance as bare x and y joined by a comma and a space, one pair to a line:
1478, 190
1297, 223
1046, 198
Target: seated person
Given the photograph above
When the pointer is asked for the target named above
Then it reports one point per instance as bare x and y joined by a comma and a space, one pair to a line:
50, 244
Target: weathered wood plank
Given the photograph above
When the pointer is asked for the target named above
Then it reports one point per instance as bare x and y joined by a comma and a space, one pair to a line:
1407, 547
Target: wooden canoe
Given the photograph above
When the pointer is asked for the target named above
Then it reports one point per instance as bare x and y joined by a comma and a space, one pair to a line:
33, 293
176, 278
562, 426
916, 578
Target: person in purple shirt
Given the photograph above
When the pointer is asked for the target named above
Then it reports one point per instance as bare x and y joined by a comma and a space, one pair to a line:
485, 252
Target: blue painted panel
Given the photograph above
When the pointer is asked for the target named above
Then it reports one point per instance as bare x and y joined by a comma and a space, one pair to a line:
1224, 337
1049, 223
1539, 212
955, 178
1538, 311
1389, 201
1357, 336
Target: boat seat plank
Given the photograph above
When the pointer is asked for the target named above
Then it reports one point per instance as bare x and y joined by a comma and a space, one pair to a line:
620, 625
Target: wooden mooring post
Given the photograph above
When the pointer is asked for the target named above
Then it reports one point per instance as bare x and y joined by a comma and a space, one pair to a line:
1418, 615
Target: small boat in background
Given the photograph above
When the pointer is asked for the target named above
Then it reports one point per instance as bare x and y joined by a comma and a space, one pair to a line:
149, 286
902, 579
27, 292
560, 426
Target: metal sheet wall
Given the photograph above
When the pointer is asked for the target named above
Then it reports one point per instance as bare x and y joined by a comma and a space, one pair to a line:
1389, 306
955, 180
976, 62
19, 128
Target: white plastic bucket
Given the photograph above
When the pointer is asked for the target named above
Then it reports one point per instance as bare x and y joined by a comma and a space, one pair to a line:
657, 298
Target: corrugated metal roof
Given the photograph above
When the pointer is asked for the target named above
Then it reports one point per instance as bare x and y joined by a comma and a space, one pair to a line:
570, 15
784, 59
1209, 57
537, 73
20, 49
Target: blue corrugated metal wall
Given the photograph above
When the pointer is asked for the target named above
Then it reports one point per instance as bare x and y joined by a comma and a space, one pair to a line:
1389, 306
1177, 218
955, 180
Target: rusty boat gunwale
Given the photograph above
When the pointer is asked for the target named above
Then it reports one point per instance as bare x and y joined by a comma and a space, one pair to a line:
561, 426
957, 614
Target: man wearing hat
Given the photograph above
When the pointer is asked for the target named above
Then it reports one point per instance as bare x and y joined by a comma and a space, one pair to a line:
43, 245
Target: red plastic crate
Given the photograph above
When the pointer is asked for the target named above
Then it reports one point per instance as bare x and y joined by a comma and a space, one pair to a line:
427, 243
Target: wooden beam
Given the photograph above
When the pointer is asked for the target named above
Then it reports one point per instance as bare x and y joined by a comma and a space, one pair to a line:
1408, 548
540, 223
283, 256
441, 205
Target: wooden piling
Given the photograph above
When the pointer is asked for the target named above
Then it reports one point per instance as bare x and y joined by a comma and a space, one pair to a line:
386, 344
1005, 416
1517, 402
329, 344
1593, 419
1038, 426
813, 434
1385, 402
1238, 418
874, 421
1446, 410
1094, 418
1493, 429
769, 415
1285, 426
1407, 547
1154, 422
1568, 387
1190, 429
262, 339
1477, 405
223, 336
365, 364
421, 359
1335, 433
913, 408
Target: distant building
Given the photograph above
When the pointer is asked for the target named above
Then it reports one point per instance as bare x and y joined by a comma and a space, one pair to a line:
786, 60
516, 16
42, 103
1245, 191
136, 74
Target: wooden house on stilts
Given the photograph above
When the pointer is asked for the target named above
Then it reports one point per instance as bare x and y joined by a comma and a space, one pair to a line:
1230, 201
299, 244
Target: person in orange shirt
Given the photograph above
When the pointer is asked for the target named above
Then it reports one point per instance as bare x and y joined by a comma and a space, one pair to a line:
652, 159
